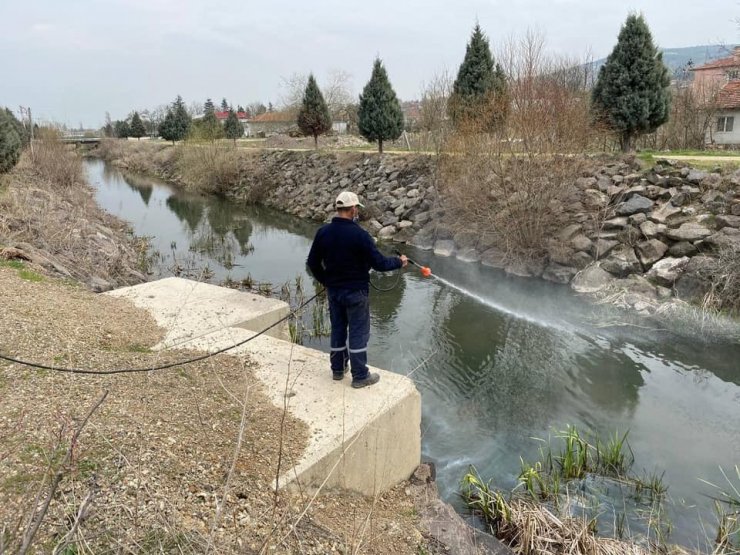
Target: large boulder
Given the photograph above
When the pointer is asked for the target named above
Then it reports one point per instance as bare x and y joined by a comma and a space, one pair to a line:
622, 262
694, 282
493, 257
444, 247
602, 247
665, 272
683, 248
665, 213
558, 273
690, 231
651, 230
649, 252
467, 255
581, 243
592, 280
727, 221
636, 203
727, 237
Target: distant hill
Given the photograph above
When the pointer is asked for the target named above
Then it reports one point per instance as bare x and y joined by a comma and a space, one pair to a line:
677, 58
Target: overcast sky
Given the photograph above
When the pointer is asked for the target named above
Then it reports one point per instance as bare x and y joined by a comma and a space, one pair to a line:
73, 60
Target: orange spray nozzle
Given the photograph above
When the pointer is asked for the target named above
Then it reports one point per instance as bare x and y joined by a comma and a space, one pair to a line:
426, 272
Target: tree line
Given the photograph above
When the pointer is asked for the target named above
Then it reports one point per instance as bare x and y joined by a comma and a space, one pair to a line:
630, 98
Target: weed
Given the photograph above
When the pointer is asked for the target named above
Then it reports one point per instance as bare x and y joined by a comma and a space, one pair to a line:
30, 275
484, 500
137, 348
14, 264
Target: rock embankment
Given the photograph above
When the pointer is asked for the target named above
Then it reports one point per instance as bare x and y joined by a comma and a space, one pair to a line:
654, 232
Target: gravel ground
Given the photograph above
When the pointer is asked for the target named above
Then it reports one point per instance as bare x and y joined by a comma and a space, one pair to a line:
156, 455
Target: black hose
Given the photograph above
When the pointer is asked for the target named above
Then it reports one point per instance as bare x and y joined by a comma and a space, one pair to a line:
163, 366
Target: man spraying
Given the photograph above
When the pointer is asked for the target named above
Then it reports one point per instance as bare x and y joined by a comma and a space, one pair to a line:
340, 258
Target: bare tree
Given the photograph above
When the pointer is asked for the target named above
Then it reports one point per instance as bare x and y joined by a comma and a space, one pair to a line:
433, 109
336, 89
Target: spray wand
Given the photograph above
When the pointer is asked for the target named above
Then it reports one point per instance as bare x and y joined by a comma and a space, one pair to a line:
425, 270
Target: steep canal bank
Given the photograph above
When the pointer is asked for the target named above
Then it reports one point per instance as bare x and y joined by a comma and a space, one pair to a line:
513, 362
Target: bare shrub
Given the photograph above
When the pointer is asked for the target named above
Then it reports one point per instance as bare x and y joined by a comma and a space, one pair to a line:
517, 181
724, 276
54, 161
434, 122
210, 168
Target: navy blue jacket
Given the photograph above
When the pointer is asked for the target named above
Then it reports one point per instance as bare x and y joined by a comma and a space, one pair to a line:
342, 254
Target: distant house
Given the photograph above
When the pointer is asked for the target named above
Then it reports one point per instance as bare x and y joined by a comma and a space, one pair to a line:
717, 84
242, 116
270, 123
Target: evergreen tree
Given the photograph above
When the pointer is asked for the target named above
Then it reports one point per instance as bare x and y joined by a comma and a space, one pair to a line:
138, 129
224, 105
631, 94
233, 128
240, 109
313, 117
181, 120
122, 129
208, 127
10, 143
479, 91
380, 116
23, 133
168, 129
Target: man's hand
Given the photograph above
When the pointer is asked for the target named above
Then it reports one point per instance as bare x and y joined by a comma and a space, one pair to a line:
404, 260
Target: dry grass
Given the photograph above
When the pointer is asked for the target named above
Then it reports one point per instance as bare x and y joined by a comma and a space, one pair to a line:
54, 162
63, 224
724, 276
210, 167
149, 470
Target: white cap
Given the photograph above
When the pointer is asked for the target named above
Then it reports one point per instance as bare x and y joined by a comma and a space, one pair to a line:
347, 199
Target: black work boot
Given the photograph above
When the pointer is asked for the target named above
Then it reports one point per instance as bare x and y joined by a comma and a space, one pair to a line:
372, 378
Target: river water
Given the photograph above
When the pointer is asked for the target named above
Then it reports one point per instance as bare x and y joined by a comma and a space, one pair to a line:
499, 361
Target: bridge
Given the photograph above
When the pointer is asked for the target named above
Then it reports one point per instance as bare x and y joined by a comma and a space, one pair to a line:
78, 140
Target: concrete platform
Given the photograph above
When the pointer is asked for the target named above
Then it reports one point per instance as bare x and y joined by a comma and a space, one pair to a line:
188, 309
365, 440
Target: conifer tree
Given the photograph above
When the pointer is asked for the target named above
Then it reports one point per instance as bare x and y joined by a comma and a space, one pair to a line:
23, 133
233, 128
10, 143
479, 91
209, 128
631, 95
224, 105
380, 116
122, 129
138, 129
313, 117
167, 129
181, 120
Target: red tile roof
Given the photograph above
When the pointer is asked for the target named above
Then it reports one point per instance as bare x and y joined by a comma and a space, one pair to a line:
270, 117
729, 96
730, 61
224, 115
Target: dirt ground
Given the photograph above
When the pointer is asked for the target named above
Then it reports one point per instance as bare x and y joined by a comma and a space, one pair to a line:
151, 472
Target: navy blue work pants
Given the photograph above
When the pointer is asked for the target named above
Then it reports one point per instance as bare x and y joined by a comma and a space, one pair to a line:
349, 311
